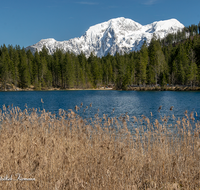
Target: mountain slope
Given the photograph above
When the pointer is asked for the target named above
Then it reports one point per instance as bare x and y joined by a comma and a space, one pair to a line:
116, 35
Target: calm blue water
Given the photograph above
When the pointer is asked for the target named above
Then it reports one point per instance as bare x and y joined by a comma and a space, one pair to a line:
136, 103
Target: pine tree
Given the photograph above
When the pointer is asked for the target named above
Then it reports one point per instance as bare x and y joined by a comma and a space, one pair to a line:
70, 71
199, 27
4, 66
115, 71
169, 39
30, 59
15, 72
83, 73
157, 61
121, 71
144, 59
95, 69
193, 70
183, 63
56, 68
174, 72
24, 75
35, 71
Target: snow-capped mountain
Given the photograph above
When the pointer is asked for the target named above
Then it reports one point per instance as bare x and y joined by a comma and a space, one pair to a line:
116, 35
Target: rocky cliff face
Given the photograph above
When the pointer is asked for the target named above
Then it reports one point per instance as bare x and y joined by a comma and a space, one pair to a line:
116, 35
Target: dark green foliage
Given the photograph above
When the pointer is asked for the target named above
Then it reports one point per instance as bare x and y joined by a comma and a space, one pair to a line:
172, 60
24, 74
142, 66
199, 27
5, 64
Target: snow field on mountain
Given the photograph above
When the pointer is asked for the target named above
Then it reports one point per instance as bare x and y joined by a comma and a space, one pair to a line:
116, 35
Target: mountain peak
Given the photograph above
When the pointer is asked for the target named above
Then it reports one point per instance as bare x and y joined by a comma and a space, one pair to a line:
116, 23
116, 35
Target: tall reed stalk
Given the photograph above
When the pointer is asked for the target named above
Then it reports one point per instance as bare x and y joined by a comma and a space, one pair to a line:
67, 152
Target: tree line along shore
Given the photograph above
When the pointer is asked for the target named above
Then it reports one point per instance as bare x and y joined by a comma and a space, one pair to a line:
172, 63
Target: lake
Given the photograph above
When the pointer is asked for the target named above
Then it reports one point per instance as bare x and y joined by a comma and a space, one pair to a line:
136, 103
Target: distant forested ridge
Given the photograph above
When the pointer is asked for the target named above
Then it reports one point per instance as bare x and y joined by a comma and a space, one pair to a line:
173, 60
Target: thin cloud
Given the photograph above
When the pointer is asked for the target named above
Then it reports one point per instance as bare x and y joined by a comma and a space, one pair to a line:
87, 3
150, 2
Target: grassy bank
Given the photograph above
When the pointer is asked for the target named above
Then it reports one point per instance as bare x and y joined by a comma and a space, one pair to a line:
67, 152
11, 87
165, 88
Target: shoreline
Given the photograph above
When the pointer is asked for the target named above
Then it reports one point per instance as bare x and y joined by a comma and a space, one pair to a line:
136, 88
53, 89
165, 88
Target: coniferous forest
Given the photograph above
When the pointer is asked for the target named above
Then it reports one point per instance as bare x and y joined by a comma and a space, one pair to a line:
174, 60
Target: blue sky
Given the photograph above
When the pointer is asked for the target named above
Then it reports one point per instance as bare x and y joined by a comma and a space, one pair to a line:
25, 22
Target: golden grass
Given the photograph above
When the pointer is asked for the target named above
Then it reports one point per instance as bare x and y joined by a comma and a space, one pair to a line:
67, 152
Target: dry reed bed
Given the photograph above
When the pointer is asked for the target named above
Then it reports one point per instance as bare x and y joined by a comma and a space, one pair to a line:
67, 152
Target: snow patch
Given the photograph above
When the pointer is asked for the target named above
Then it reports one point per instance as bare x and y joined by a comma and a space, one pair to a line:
116, 35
